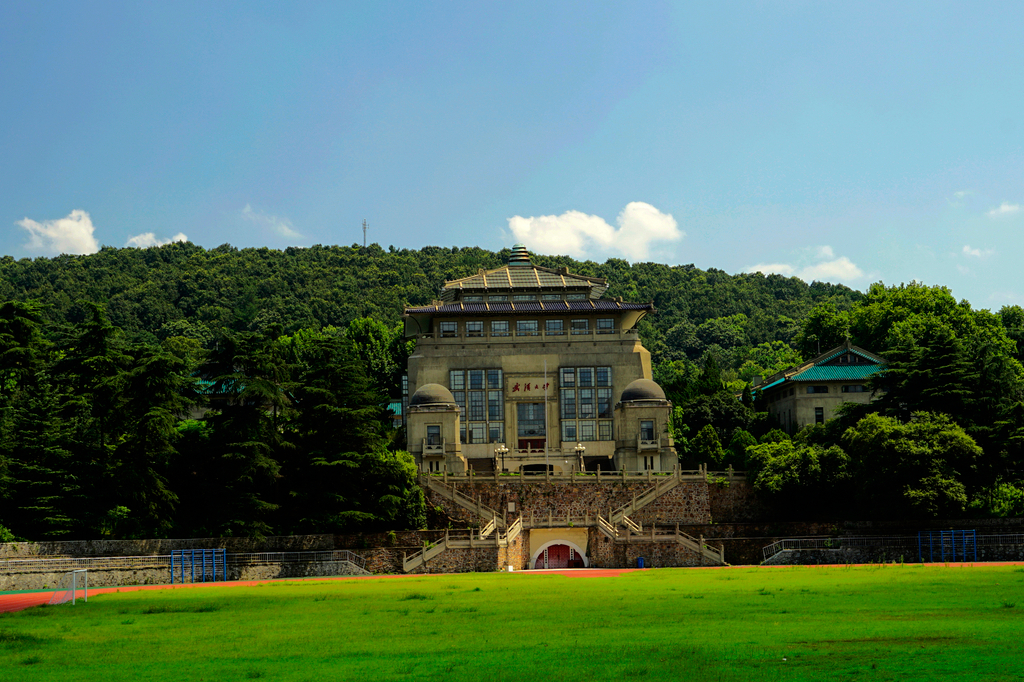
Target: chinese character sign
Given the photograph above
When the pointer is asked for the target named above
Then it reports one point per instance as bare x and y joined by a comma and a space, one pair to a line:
529, 387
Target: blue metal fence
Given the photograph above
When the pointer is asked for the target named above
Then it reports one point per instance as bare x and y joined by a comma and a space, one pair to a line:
201, 565
947, 545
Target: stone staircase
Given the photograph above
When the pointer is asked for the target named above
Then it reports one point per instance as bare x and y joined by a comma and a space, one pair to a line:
630, 532
472, 539
485, 513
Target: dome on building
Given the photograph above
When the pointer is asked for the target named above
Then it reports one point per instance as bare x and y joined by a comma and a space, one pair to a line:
642, 389
431, 394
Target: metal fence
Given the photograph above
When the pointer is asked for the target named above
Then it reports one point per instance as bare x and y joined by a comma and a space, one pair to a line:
63, 564
909, 544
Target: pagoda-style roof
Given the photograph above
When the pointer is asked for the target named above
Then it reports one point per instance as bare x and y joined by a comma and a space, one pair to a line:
520, 275
842, 363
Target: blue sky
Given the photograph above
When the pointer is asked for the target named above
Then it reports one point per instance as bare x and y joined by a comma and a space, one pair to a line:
850, 142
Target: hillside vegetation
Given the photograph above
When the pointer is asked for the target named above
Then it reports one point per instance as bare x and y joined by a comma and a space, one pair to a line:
103, 358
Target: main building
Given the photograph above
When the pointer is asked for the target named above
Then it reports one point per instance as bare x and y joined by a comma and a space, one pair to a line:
524, 368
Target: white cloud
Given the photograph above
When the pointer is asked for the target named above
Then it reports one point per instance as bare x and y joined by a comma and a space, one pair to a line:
148, 239
281, 226
1004, 209
827, 269
841, 269
577, 234
977, 253
772, 268
72, 234
963, 269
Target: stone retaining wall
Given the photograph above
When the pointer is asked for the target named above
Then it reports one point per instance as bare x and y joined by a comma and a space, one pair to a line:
91, 548
48, 580
686, 503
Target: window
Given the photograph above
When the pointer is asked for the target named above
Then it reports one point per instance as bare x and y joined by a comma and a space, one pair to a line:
433, 434
587, 408
495, 406
473, 299
648, 462
554, 327
457, 380
580, 326
483, 416
476, 433
449, 329
499, 328
575, 297
475, 328
526, 328
497, 299
551, 297
582, 399
819, 415
646, 430
522, 298
604, 402
568, 403
476, 406
497, 433
605, 325
817, 389
855, 389
530, 420
434, 465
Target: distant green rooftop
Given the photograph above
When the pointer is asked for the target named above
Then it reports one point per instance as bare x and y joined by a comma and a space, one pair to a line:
836, 373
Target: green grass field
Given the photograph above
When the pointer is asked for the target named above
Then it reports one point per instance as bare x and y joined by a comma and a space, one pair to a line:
791, 623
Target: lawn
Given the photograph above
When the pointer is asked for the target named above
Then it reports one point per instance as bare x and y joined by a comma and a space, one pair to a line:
787, 623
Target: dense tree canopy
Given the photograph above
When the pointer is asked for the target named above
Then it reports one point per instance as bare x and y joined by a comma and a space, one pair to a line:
192, 391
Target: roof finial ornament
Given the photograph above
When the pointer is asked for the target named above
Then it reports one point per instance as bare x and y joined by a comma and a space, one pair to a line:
520, 256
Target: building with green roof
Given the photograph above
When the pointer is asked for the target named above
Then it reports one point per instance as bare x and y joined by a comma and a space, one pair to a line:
810, 393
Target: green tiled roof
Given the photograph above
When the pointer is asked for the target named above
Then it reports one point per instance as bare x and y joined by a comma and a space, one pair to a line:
836, 373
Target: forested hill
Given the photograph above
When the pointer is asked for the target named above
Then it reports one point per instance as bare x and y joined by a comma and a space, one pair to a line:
185, 290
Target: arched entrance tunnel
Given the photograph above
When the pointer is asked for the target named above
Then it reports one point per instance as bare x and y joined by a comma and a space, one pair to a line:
560, 556
558, 548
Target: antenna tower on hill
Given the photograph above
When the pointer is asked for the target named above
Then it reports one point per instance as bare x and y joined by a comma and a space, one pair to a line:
364, 232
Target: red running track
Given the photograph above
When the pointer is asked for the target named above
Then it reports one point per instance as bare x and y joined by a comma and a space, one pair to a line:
25, 600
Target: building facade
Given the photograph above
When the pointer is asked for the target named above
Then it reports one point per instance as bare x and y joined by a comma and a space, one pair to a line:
809, 394
527, 368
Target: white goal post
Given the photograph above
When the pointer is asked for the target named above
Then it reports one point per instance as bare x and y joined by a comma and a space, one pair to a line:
67, 588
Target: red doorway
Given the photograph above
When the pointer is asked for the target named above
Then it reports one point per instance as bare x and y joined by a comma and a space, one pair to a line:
531, 443
559, 556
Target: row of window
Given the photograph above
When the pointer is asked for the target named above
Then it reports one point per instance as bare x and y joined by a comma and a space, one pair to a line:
586, 430
850, 388
475, 328
572, 431
523, 298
